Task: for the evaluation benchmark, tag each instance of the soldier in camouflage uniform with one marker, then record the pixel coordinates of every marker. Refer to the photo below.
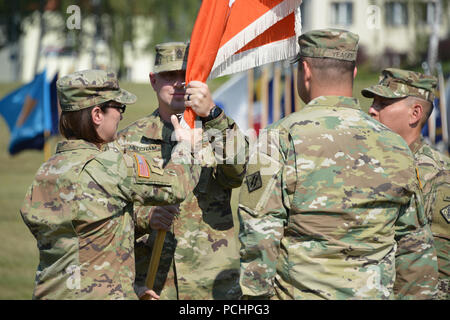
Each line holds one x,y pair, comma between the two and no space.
403,101
200,258
80,205
331,205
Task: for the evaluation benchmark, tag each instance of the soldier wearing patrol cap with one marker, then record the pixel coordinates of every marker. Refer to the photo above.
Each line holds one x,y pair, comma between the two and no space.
403,101
200,258
80,205
331,207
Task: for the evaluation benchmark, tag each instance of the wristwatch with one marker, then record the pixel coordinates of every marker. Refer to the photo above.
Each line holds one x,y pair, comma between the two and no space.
213,114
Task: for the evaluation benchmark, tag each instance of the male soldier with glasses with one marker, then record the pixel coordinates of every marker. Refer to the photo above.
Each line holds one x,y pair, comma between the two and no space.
200,258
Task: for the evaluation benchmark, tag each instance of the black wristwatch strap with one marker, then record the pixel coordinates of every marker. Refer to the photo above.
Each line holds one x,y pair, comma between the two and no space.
213,114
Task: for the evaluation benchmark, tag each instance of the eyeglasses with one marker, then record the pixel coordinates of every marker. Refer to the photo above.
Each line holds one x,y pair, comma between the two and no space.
120,108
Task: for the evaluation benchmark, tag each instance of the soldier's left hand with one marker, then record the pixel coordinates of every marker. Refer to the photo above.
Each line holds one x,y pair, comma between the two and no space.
199,98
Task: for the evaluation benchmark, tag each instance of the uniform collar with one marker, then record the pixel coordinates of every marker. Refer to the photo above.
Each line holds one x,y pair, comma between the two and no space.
156,128
335,101
69,145
417,144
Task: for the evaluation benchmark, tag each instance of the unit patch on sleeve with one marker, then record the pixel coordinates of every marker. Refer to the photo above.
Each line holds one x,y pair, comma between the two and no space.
254,182
143,169
446,213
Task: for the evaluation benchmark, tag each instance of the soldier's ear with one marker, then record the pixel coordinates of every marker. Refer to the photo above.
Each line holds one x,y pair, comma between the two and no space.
416,114
306,70
153,79
355,72
97,115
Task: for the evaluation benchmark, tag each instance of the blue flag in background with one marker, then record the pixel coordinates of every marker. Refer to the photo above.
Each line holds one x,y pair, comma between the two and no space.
30,111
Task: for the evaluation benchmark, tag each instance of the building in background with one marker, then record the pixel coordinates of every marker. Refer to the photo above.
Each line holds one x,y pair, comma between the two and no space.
391,32
58,50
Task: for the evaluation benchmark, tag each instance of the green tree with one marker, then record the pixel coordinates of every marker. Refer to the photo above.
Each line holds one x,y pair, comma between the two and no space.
173,21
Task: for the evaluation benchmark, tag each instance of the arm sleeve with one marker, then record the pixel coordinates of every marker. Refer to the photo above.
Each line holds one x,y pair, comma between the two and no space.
140,179
141,219
415,260
263,210
231,148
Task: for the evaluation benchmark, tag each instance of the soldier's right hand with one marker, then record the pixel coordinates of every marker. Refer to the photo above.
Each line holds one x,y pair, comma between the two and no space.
161,218
145,293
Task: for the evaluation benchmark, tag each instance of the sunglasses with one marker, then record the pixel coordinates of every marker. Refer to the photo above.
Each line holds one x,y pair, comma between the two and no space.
173,76
120,108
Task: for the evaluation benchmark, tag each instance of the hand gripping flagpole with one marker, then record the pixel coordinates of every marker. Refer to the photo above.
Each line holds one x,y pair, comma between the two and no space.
202,53
211,23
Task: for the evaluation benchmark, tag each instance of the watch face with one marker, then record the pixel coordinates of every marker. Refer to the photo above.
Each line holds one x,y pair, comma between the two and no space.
215,112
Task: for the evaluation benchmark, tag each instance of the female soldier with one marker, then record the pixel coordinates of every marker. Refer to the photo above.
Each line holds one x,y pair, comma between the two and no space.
80,206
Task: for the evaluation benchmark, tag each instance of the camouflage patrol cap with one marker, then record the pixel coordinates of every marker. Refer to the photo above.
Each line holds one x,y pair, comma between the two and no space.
328,43
84,89
397,83
171,56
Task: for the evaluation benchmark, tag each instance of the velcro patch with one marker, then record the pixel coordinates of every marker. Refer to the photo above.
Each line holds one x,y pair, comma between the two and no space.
446,213
254,182
143,169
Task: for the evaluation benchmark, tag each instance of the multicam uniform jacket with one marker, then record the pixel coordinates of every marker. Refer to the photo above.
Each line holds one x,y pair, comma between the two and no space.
330,208
80,210
200,258
434,169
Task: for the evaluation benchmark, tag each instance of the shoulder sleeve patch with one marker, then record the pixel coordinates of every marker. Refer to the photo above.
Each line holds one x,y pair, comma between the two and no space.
254,181
446,213
143,169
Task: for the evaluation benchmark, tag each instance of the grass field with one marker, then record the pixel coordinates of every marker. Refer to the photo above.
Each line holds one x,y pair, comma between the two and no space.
18,252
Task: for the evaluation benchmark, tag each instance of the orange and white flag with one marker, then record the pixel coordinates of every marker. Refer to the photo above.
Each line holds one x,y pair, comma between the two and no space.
230,36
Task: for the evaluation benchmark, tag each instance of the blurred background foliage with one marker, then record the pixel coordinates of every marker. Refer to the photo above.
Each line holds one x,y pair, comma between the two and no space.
172,20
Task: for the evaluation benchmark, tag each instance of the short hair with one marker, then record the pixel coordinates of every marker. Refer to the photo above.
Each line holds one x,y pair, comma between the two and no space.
331,69
79,125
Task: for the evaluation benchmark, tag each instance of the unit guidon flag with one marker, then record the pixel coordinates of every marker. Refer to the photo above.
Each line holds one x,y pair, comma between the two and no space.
230,36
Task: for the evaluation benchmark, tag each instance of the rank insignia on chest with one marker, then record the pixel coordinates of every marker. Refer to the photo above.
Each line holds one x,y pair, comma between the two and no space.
143,169
446,213
254,182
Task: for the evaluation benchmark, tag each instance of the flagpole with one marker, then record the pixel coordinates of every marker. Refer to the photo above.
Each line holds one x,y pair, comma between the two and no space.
154,261
47,147
265,97
251,89
296,96
443,106
287,92
432,128
276,93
